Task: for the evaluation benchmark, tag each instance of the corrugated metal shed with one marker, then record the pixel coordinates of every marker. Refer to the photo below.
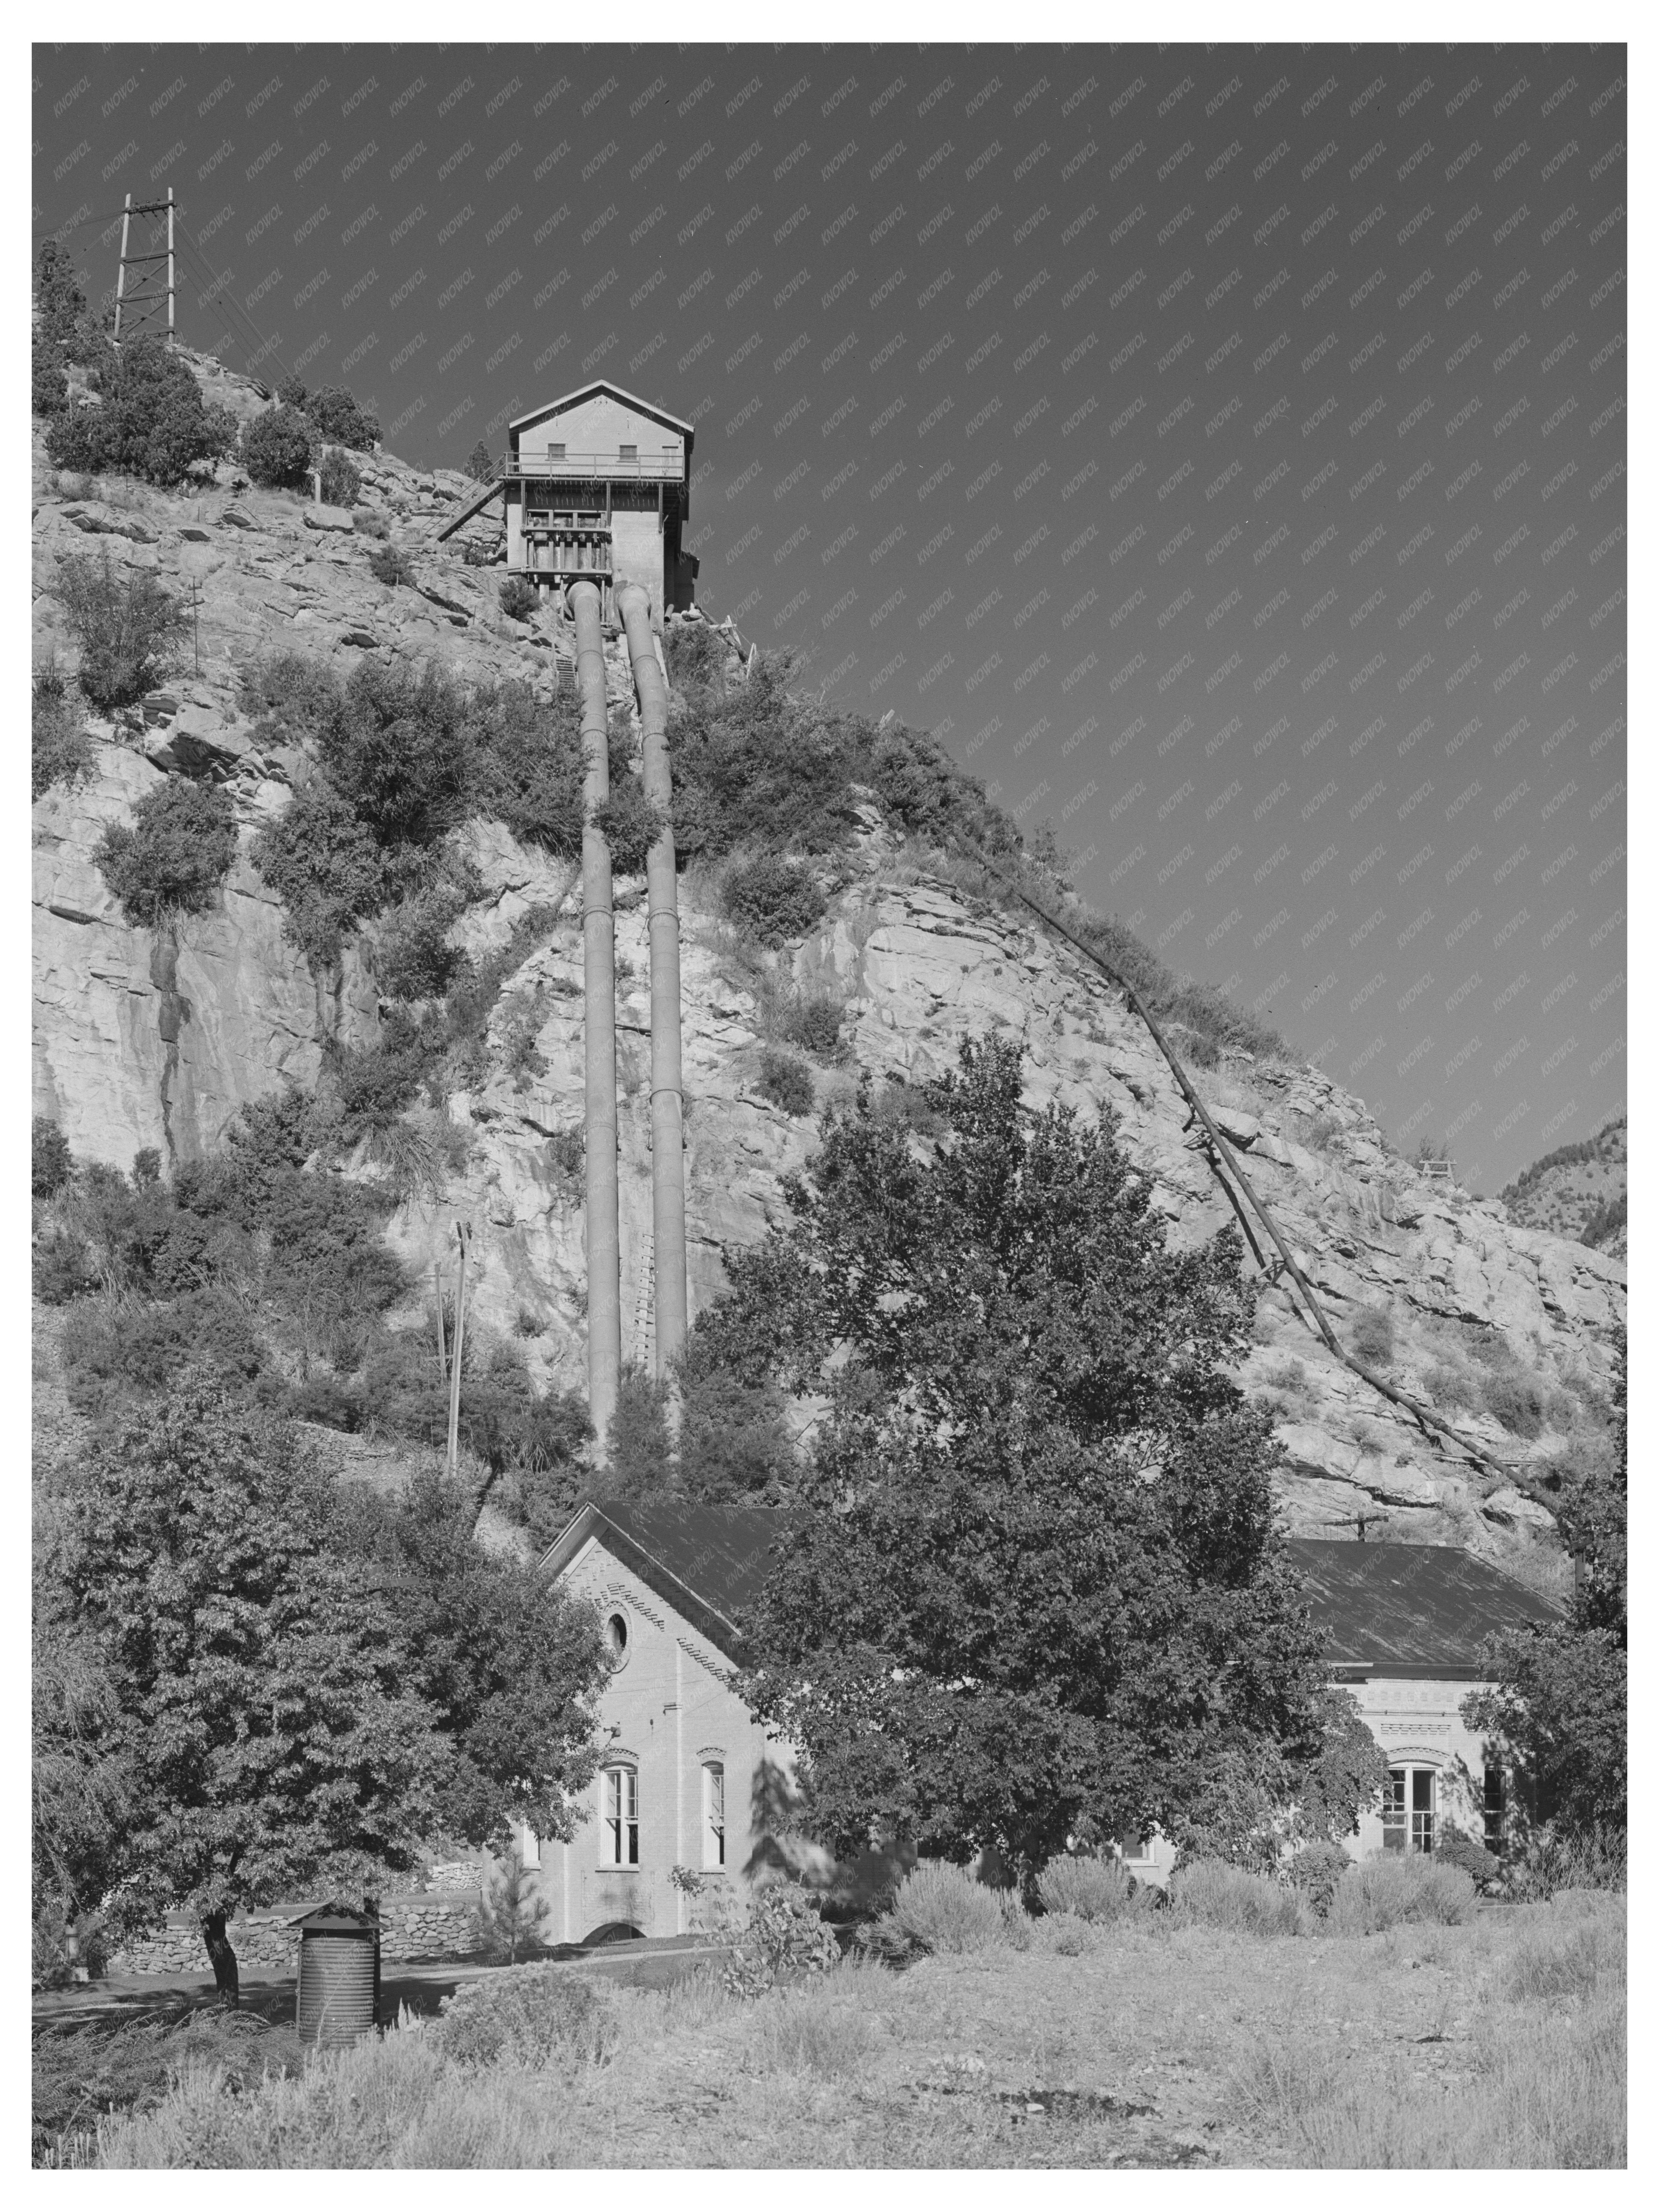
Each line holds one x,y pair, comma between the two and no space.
1419,1609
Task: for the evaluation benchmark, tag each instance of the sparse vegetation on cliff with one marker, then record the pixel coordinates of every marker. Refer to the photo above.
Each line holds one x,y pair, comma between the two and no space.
125,627
174,856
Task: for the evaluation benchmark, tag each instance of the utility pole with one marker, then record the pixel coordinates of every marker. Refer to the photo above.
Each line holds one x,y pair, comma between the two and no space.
123,299
464,1237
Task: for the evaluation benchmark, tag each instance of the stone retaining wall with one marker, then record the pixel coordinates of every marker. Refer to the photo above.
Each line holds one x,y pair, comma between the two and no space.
417,1927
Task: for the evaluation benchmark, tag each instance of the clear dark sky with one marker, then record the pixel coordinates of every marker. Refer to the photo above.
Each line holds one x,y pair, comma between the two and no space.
1221,449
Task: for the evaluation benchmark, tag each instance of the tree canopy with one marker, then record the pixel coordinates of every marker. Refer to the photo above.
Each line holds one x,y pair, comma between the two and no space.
1037,1591
1557,1700
262,1682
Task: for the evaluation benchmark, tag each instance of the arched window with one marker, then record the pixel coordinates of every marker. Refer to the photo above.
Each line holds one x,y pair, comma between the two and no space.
714,1812
616,1638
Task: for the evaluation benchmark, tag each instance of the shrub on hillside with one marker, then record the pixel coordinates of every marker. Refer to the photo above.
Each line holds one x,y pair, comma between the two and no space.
1516,1401
341,482
341,420
390,566
1092,1888
50,1164
1213,1893
112,1351
943,1909
370,525
60,750
785,1080
481,464
525,766
1373,1335
277,448
696,657
1391,1887
629,822
813,1023
1451,1386
48,384
152,422
323,866
413,956
174,855
123,625
770,898
519,599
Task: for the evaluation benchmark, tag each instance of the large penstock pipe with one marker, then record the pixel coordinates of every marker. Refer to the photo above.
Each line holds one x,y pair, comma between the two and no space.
667,1144
599,1028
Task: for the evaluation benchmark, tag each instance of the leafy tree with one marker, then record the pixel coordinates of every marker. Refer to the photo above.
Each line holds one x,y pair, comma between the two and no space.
123,625
509,1663
50,1164
638,1460
57,293
323,863
48,384
175,854
341,420
481,464
276,447
1557,1704
340,480
264,1708
152,422
1036,1589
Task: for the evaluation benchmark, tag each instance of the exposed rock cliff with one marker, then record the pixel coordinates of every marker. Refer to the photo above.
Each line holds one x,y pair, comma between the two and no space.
135,1049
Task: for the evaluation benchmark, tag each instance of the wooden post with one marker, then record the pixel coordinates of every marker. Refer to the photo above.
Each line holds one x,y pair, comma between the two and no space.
438,1298
121,272
464,1237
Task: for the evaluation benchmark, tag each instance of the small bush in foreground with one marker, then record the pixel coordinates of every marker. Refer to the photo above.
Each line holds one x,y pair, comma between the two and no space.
784,1935
1212,1894
1393,1887
1315,1871
543,2018
1093,1888
944,1909
786,1081
1454,1848
176,852
519,599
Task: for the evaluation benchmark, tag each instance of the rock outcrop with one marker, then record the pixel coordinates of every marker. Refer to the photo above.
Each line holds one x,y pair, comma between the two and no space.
135,1049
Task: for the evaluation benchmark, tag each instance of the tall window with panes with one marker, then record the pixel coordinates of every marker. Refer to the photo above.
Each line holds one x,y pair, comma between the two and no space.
619,1832
714,1812
1408,1809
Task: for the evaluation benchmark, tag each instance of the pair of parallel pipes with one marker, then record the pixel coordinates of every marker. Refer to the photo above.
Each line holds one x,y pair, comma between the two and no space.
599,998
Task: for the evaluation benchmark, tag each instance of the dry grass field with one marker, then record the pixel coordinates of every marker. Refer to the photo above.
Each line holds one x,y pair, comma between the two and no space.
1497,2043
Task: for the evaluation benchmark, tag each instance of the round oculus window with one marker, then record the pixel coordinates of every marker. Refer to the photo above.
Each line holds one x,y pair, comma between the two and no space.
616,1638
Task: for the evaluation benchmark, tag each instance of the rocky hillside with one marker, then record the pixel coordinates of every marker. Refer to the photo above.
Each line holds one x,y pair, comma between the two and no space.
1506,1326
1578,1190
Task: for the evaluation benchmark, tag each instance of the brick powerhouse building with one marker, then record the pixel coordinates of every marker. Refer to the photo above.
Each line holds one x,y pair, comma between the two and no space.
689,1778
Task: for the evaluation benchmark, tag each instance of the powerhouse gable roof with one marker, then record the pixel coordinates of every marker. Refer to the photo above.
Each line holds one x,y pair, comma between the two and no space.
709,1562
1411,1609
602,386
